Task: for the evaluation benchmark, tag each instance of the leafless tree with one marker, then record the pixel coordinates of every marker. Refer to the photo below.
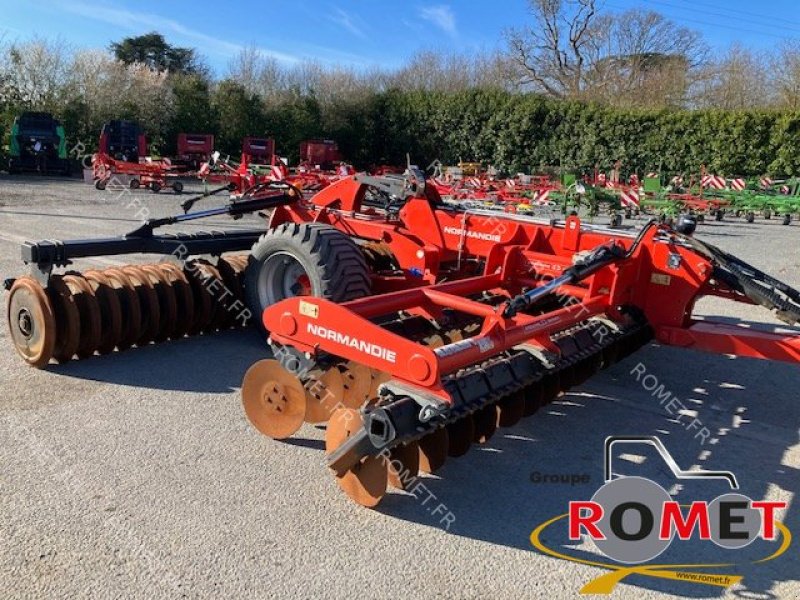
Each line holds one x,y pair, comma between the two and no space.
785,69
636,57
553,53
734,81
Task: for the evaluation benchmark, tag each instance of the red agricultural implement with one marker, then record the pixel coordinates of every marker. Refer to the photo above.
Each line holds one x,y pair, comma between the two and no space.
194,149
320,154
122,153
412,327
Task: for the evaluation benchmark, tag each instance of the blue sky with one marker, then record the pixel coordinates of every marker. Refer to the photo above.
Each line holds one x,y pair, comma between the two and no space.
356,32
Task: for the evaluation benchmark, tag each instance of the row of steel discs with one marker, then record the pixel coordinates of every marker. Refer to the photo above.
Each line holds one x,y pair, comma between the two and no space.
98,311
367,482
277,402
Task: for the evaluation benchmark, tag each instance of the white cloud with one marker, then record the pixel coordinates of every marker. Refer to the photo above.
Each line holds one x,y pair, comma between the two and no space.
442,16
345,20
131,21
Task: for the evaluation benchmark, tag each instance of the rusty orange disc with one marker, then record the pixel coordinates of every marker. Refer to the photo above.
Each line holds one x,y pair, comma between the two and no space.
67,319
110,310
357,380
183,298
533,398
403,465
274,399
31,321
203,302
551,388
460,435
167,304
433,450
129,303
324,393
485,423
148,303
511,409
366,482
230,277
378,378
211,281
89,310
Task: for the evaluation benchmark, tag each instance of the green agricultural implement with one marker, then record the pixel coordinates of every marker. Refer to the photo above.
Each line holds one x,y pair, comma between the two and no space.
37,143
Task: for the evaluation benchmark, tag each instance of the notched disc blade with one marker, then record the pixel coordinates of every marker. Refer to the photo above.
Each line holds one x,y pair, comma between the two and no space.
433,450
460,435
31,321
274,399
533,398
129,304
67,319
366,482
378,378
148,302
324,392
403,465
551,387
511,409
357,380
184,301
167,304
110,310
485,423
203,307
89,310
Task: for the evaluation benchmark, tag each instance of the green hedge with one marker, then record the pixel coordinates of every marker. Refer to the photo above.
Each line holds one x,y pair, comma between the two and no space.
515,132
525,132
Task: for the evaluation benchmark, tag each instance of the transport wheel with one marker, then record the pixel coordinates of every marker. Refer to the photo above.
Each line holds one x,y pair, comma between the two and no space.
100,184
786,219
366,482
274,400
767,214
31,321
310,259
177,187
134,184
750,217
155,187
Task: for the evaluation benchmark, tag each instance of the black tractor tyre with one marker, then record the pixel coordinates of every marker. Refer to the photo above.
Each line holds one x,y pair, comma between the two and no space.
155,187
332,261
750,217
767,214
786,219
177,187
100,184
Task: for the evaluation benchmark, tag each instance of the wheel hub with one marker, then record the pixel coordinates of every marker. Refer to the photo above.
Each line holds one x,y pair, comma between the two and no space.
25,323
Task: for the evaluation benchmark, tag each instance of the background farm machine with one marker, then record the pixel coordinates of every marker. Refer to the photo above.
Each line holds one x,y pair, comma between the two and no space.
122,154
412,327
38,144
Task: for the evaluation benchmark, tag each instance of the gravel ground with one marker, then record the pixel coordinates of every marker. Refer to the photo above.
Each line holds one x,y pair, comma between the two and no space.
137,474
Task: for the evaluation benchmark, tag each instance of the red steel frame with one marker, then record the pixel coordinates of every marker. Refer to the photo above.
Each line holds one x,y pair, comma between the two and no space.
663,278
